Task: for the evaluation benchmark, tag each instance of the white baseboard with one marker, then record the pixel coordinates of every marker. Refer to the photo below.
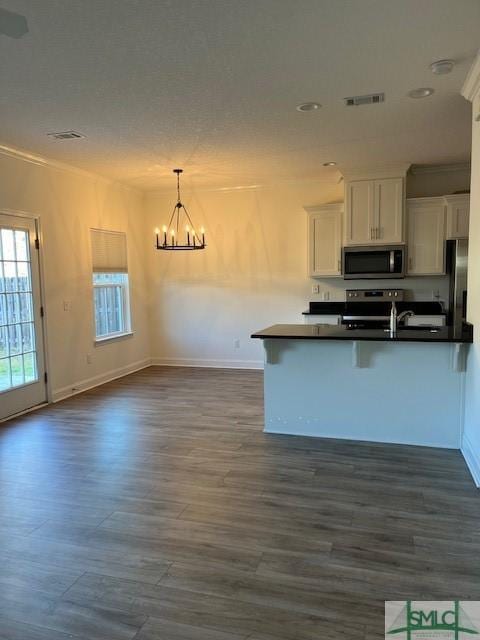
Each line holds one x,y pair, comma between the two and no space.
212,364
472,459
89,383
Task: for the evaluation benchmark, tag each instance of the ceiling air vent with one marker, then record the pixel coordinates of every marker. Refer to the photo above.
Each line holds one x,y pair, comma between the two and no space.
371,98
65,135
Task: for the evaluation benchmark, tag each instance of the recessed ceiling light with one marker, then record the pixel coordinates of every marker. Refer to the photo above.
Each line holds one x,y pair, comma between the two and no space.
329,164
440,67
421,92
308,106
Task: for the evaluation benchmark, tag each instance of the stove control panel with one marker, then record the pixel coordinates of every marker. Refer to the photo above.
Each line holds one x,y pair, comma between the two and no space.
374,295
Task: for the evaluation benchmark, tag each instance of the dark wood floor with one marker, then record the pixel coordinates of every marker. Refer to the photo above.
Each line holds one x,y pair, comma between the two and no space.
155,508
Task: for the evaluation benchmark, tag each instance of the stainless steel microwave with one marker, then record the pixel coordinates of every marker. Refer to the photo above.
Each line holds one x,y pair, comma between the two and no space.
380,262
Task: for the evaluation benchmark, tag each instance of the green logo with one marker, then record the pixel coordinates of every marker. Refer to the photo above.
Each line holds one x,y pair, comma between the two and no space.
441,619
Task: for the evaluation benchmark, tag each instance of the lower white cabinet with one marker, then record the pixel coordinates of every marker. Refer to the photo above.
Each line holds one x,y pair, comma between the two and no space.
325,240
458,215
426,219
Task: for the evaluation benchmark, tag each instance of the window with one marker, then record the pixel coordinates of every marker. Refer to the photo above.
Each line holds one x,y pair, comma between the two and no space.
110,284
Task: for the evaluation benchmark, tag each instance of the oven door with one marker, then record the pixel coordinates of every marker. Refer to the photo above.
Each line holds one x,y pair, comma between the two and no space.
373,263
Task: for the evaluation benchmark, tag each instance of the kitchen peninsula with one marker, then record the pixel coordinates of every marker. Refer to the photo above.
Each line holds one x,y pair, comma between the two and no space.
336,382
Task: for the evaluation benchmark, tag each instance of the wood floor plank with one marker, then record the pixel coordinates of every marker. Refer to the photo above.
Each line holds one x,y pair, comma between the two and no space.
11,630
154,507
201,609
157,629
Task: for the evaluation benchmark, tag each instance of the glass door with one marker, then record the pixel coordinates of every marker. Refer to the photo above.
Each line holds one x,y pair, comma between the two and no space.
22,360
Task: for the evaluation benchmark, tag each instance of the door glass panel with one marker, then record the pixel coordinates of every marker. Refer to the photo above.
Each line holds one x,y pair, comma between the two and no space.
8,244
21,248
30,367
5,378
23,275
10,275
28,337
15,339
18,357
16,364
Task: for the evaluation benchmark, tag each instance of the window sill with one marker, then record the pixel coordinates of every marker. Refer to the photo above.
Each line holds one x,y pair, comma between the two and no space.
117,336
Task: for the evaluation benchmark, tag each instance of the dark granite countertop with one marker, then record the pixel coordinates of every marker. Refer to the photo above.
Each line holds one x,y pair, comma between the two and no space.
341,332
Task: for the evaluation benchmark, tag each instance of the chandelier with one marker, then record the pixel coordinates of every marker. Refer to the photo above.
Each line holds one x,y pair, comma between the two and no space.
180,222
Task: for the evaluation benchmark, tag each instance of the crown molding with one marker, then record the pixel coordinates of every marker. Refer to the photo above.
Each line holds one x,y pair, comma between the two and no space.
419,169
429,201
471,86
317,208
42,161
374,172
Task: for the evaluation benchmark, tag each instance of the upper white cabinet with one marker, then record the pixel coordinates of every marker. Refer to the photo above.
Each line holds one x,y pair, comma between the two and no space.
359,211
426,219
325,240
458,216
374,211
389,208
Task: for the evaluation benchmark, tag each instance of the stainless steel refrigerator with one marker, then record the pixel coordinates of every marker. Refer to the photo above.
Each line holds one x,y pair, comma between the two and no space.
457,266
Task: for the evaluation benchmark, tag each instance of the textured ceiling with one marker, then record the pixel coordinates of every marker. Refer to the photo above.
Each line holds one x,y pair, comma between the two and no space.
211,85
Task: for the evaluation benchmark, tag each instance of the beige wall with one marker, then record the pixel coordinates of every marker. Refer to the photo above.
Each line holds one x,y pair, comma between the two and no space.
252,274
69,203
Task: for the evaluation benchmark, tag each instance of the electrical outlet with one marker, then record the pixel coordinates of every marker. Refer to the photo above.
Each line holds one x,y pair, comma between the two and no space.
236,343
89,358
66,305
326,296
315,288
436,294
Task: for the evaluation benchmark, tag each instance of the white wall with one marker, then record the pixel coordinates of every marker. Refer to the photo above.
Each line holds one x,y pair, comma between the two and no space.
471,441
252,274
69,203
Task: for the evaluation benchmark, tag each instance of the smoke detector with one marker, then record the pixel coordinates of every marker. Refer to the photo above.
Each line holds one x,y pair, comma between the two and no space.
65,135
370,98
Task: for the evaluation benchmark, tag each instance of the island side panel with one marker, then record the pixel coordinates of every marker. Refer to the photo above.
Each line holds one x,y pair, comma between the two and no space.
406,393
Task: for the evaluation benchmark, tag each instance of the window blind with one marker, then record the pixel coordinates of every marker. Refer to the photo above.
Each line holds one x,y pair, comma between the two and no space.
109,251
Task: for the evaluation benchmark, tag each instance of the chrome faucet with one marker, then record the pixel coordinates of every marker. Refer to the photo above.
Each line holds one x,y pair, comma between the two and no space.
396,318
393,320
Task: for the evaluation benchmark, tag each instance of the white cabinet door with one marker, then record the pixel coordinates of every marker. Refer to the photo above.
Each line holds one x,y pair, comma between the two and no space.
388,227
325,240
426,236
458,216
360,212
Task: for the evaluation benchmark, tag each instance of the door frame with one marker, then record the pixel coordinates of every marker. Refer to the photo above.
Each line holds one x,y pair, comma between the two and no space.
19,213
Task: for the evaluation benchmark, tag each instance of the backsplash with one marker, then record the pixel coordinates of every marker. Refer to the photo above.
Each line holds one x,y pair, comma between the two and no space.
421,289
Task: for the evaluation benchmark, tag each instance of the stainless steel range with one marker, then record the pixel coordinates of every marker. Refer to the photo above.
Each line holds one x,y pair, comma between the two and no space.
372,309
